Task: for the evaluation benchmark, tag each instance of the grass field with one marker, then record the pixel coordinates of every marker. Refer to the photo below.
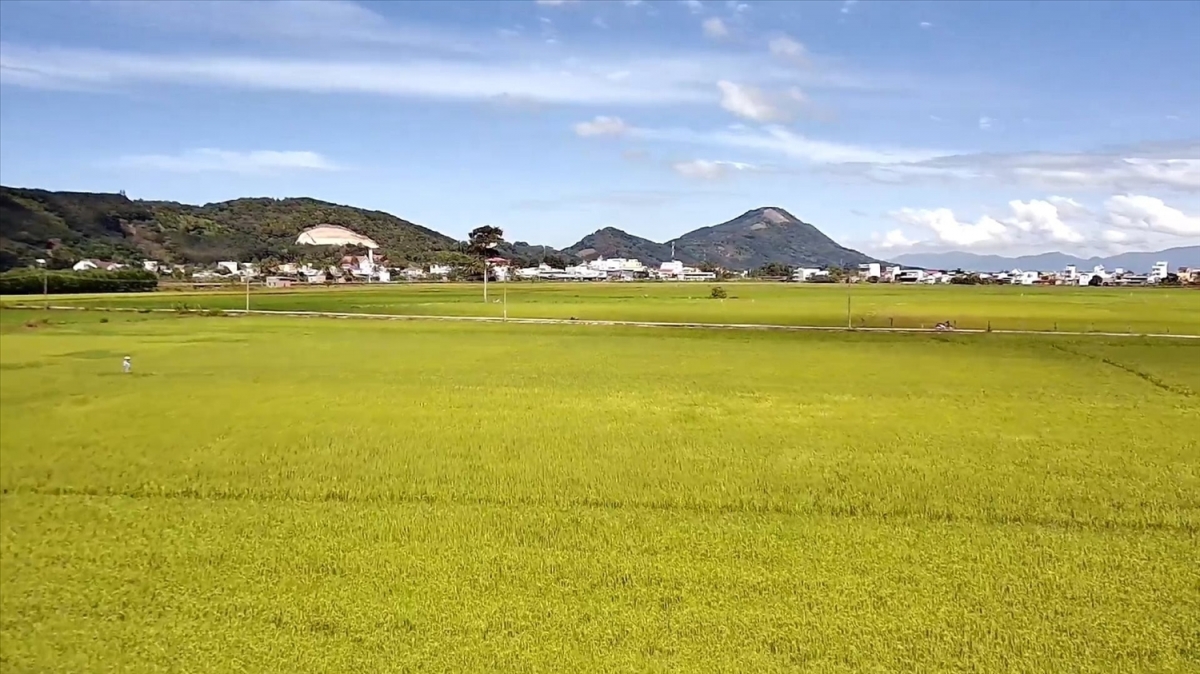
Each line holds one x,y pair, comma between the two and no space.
268,494
1138,310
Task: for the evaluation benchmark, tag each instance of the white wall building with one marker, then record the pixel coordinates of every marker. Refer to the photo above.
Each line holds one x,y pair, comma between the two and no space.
1159,272
1024,278
804,274
869,270
910,276
616,264
676,271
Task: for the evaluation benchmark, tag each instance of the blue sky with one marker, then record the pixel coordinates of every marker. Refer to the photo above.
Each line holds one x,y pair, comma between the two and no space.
1007,127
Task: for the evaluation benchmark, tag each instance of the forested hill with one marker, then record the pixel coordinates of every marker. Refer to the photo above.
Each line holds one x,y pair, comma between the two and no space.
78,225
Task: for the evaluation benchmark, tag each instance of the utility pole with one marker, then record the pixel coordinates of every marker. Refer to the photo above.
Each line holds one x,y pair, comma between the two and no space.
849,323
504,284
487,250
45,284
247,292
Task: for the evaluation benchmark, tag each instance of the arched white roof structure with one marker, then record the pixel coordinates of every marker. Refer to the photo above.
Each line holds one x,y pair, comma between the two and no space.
333,235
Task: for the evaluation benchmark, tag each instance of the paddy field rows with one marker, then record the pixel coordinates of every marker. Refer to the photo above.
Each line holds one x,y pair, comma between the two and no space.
269,494
1068,309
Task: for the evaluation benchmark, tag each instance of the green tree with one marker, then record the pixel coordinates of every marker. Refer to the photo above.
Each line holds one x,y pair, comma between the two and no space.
483,240
775,270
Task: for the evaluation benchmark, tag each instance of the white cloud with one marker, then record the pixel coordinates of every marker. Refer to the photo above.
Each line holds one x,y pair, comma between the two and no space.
1174,166
752,103
694,5
294,20
602,126
926,24
748,102
705,169
736,6
715,28
848,5
599,22
226,161
660,81
1116,236
553,3
779,140
1055,223
950,231
1137,212
1043,218
985,123
786,48
632,3
894,240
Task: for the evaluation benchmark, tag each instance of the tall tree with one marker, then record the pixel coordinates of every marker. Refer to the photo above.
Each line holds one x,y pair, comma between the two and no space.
484,239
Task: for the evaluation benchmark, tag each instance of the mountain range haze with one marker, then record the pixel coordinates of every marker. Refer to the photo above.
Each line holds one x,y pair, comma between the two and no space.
1183,256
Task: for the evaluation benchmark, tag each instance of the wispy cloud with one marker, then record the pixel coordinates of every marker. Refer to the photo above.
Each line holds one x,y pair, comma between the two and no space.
784,47
848,6
658,81
602,126
752,103
715,28
926,24
695,6
298,20
206,160
778,140
1171,166
985,123
705,169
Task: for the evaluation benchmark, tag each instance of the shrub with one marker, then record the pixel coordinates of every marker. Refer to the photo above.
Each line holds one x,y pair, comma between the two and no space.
718,293
29,281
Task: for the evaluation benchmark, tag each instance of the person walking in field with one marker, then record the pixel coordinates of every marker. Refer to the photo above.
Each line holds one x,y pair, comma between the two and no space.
126,365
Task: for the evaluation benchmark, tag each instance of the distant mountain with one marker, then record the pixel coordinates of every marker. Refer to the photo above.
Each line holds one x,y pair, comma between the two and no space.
534,254
70,226
766,235
1186,256
749,241
77,225
611,242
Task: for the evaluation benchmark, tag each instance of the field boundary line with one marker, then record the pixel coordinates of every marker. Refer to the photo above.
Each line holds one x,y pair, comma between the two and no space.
835,511
605,323
1147,377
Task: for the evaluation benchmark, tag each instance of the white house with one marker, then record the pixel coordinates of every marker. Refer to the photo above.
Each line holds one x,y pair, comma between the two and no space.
442,270
1097,271
1159,272
230,266
86,265
1024,278
870,270
910,276
619,267
676,271
804,274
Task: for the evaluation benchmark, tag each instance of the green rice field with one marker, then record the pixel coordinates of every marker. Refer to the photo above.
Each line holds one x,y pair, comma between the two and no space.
1134,310
283,494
